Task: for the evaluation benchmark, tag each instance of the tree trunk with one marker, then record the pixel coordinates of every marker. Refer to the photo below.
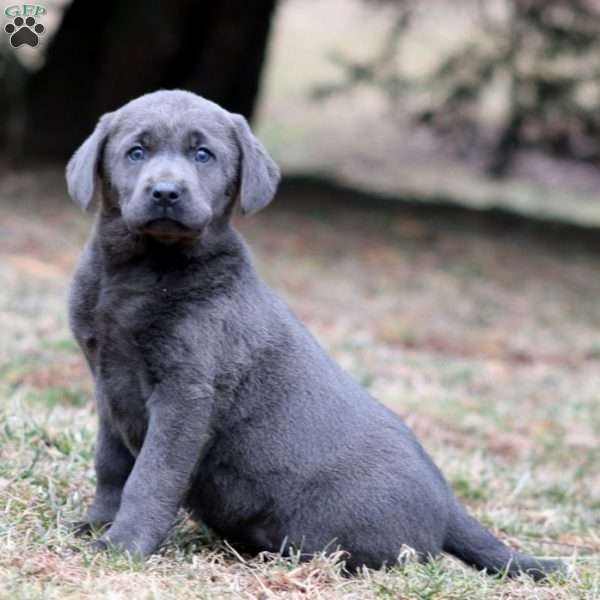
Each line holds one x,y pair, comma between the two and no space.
95,65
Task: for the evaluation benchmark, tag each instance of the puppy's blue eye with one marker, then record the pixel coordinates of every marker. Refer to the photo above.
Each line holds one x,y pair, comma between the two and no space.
202,155
136,154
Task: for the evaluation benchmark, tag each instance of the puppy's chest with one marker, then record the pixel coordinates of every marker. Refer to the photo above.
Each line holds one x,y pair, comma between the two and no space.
127,318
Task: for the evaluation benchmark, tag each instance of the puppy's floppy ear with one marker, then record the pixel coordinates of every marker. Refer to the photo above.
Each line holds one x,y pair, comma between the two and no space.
82,170
259,174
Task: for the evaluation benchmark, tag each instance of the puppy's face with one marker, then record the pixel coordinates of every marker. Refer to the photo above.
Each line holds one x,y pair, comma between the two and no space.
172,162
172,172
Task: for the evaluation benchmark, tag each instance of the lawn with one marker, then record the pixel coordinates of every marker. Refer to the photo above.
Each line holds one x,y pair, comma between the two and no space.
486,339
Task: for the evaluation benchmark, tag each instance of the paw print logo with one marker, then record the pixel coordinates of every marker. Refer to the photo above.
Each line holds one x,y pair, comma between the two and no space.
24,31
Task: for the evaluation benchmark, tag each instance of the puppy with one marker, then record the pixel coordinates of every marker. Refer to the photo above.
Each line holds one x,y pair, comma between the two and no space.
211,395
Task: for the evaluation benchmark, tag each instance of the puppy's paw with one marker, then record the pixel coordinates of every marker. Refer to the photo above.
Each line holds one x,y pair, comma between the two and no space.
136,545
105,544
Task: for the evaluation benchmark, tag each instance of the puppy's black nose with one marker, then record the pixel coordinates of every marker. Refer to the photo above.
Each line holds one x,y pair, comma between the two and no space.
166,193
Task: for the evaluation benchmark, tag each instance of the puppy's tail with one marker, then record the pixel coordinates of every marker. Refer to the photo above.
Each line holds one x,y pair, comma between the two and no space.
472,543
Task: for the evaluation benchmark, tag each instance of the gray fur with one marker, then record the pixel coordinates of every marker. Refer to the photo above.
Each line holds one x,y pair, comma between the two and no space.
211,394
82,170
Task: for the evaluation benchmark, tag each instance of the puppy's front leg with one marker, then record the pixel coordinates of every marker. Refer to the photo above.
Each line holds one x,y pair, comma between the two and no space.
113,465
177,435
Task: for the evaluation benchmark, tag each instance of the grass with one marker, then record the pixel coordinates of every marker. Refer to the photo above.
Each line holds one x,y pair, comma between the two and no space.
487,344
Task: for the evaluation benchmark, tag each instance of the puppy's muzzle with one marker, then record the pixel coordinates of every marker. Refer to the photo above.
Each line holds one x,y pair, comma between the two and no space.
169,212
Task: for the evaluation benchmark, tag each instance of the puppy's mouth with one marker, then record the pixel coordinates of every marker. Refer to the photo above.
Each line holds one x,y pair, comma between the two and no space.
168,230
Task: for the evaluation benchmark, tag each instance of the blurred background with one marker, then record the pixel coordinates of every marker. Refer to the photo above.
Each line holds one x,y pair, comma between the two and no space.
485,103
437,227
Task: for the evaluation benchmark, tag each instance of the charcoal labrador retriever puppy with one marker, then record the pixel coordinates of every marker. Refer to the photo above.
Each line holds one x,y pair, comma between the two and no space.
210,393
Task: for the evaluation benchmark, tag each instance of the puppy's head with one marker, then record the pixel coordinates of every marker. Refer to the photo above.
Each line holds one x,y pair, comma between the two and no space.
172,163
